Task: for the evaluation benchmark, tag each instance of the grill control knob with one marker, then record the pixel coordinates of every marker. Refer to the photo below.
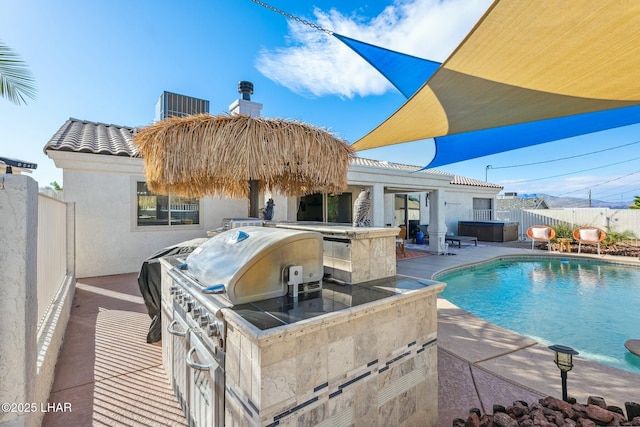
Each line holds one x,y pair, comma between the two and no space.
204,320
214,329
173,290
197,312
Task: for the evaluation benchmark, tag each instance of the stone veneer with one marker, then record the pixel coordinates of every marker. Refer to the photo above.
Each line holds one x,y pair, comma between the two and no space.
355,254
370,365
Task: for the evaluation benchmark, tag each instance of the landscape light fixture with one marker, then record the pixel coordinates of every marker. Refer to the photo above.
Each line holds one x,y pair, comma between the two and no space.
564,361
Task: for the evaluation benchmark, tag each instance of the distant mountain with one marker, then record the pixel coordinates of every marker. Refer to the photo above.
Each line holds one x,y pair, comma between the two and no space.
576,202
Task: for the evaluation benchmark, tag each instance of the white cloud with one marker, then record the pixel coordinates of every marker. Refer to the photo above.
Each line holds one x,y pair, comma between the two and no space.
317,64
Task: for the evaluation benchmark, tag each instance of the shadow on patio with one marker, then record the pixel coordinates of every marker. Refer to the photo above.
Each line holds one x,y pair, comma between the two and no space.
106,371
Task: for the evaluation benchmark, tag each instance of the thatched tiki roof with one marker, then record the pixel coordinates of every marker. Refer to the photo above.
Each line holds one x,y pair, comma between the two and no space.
203,155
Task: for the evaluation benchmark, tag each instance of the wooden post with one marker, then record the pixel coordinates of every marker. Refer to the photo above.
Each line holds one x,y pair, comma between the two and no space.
254,195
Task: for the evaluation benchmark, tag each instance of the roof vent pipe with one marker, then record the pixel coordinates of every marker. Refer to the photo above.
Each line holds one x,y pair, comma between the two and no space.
246,89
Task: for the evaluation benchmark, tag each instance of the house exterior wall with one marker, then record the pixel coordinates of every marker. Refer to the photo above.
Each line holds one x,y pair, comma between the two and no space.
107,238
109,241
459,204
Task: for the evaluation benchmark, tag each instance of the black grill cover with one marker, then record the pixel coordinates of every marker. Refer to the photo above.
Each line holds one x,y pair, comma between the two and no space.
149,282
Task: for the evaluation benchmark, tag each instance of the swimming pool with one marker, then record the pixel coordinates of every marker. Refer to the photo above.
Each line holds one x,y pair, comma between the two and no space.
591,306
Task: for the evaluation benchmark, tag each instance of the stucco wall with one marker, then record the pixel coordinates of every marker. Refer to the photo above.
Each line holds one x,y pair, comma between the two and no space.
109,242
18,294
459,204
107,238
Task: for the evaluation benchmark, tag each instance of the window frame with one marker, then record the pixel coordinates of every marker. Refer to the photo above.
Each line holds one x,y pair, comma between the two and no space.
160,227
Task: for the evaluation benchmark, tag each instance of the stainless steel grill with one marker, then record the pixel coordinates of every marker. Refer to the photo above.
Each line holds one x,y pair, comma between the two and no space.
238,266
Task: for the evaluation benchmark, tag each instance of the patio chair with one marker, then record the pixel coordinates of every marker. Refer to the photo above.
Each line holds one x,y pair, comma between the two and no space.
589,235
541,233
402,235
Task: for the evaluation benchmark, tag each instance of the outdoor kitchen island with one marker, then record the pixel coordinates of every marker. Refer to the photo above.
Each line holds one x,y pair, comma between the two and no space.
354,254
336,354
350,356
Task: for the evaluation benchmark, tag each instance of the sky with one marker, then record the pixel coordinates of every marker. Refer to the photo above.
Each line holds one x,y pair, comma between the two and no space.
108,61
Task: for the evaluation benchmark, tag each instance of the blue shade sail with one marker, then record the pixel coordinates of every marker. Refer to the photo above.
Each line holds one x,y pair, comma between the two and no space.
529,72
471,145
407,73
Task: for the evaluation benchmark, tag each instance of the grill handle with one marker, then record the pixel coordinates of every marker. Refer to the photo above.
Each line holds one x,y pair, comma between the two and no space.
213,289
193,364
175,331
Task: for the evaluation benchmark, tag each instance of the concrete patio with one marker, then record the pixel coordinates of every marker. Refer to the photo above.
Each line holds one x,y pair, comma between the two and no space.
106,371
110,376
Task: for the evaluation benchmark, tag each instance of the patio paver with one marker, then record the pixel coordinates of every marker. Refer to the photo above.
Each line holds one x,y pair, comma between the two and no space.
106,371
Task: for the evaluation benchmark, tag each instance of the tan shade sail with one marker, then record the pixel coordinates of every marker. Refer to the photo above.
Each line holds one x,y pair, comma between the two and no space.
203,155
526,61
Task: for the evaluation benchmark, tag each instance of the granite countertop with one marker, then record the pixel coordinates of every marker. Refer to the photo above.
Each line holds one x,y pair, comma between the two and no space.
274,312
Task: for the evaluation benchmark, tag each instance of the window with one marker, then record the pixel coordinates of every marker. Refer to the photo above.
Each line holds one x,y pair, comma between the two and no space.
407,212
482,209
339,208
325,208
154,209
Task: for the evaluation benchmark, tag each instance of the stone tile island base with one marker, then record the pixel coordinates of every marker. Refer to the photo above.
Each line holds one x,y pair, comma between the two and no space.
355,254
369,365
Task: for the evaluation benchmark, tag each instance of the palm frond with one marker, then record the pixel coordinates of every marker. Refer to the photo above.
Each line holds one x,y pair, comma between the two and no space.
16,81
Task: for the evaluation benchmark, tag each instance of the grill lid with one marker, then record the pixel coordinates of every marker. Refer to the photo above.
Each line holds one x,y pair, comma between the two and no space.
252,262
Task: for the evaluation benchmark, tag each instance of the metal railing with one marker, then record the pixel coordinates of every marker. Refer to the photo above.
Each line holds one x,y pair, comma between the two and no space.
52,251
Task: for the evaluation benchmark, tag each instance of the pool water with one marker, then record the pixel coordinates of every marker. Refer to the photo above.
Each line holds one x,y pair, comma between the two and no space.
591,306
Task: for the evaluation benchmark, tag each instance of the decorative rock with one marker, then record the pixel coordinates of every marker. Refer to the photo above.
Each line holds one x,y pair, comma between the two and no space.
616,409
538,418
618,420
473,420
633,410
499,408
502,419
599,414
516,410
555,404
586,422
553,412
579,409
486,420
598,401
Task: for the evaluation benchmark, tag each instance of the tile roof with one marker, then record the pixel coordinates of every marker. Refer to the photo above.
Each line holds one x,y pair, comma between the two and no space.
83,136
457,180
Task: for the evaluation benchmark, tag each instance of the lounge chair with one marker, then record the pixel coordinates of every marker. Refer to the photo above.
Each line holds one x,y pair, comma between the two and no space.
589,235
400,240
541,233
